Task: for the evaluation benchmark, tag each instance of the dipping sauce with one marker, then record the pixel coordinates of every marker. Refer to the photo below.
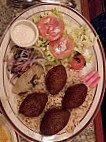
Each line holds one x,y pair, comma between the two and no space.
23,34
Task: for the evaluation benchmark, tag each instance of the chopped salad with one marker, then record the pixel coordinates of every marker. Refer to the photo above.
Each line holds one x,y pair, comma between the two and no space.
46,77
60,42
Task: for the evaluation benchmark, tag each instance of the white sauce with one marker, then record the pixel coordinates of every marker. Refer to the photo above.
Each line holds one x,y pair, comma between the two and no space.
23,34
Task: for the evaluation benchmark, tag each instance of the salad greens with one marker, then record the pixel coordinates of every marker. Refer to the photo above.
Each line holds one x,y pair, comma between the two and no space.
89,58
80,35
43,44
56,13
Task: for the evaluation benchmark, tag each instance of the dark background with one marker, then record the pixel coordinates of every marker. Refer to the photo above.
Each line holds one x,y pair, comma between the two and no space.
97,13
99,23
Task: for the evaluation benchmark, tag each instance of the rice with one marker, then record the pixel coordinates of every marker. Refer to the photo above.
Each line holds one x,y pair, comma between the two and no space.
56,101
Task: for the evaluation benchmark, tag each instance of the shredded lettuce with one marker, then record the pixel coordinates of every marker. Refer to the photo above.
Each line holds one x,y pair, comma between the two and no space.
81,36
56,13
89,58
43,44
35,19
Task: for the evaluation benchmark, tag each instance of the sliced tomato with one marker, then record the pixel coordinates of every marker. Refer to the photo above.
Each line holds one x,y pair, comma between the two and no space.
51,27
77,62
62,47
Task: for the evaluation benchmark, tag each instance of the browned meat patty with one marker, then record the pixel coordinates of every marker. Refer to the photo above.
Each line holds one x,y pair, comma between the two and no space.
54,121
75,96
33,104
56,79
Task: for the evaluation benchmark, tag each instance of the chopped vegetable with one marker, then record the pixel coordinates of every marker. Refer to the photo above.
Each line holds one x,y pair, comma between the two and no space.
62,48
57,13
23,59
82,37
51,27
77,62
89,58
35,19
43,44
45,50
91,79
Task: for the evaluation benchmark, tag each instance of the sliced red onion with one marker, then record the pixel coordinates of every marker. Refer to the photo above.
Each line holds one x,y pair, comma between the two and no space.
23,60
13,78
40,50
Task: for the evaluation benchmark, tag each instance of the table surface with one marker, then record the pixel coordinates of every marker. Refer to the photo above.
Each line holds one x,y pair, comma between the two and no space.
6,15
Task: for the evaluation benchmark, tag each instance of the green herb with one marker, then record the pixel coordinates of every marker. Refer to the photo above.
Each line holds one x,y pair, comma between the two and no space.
57,13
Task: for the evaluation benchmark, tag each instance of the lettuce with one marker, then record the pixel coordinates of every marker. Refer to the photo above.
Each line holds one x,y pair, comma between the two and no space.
35,19
56,12
89,58
81,36
44,44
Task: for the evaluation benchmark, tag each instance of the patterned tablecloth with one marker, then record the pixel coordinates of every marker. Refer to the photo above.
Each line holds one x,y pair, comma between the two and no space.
6,15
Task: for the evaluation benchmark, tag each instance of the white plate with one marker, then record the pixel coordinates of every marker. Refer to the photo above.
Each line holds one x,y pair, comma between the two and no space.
8,105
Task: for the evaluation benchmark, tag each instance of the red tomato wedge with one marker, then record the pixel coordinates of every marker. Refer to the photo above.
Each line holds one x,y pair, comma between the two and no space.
62,47
77,62
51,27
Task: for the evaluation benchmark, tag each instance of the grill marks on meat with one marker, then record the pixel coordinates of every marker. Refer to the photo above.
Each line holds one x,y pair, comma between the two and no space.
54,121
75,96
33,104
56,79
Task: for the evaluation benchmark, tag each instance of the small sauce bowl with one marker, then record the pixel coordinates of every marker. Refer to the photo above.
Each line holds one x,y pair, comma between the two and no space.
24,33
